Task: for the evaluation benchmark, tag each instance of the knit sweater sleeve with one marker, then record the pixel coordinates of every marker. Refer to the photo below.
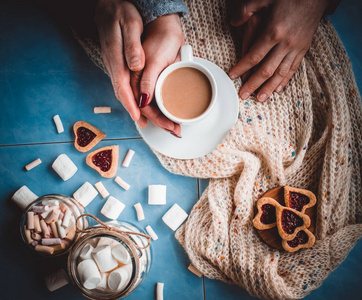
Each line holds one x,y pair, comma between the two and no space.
152,9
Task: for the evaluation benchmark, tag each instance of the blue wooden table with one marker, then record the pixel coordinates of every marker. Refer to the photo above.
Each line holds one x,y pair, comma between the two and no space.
44,72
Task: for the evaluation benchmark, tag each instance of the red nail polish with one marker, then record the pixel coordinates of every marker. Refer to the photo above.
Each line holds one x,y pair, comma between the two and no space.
143,100
178,136
173,133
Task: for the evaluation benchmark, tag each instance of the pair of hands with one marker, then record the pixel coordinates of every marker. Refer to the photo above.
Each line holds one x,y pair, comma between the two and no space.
134,66
275,35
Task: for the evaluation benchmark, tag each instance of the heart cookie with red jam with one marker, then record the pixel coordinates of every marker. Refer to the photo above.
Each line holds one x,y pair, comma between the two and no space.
303,239
266,216
298,199
104,160
290,222
86,136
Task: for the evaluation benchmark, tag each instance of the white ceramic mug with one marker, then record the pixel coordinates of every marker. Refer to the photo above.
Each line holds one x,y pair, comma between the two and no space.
186,61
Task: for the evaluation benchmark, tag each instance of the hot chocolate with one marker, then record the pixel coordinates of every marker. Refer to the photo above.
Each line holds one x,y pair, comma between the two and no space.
186,93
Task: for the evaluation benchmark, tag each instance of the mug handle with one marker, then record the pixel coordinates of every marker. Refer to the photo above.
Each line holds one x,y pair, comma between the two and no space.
186,53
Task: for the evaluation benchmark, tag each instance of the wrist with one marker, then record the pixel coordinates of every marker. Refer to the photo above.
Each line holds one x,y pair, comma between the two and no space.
167,24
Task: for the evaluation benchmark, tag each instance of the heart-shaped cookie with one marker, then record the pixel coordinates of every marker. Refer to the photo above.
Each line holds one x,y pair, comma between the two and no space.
303,239
298,199
290,222
104,160
266,216
86,136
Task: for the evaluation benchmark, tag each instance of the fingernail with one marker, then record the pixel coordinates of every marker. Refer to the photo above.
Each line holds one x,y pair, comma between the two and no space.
279,88
262,97
134,63
172,132
245,95
143,100
178,136
232,76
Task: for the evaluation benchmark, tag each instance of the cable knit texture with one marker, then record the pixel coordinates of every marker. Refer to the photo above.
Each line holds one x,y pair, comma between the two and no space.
309,137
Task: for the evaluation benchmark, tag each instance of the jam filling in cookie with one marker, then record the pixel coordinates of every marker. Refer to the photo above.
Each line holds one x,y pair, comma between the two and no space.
266,215
84,136
290,221
103,160
300,239
269,214
297,201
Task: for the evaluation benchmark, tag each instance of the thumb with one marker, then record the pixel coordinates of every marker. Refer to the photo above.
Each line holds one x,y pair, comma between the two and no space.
148,82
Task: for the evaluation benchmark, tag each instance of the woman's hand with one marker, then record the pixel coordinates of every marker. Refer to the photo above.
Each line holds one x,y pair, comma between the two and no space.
120,27
276,36
163,39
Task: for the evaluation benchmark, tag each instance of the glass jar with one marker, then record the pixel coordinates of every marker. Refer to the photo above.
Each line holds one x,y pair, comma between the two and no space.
131,239
44,241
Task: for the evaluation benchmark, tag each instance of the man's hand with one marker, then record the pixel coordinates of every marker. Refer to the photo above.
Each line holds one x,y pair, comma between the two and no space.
276,36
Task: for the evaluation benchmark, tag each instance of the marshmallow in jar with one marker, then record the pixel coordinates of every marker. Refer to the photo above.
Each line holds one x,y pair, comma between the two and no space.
48,224
105,265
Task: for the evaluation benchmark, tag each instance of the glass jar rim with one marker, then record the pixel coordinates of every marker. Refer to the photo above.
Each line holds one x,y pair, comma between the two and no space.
64,200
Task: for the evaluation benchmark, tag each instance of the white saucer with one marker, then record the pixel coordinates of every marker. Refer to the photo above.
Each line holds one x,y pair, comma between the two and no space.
201,138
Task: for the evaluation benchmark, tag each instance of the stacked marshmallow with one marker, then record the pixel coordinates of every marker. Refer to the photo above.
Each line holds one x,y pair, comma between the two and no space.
104,264
50,226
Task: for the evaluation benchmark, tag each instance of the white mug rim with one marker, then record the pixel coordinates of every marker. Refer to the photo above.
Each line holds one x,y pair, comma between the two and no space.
179,65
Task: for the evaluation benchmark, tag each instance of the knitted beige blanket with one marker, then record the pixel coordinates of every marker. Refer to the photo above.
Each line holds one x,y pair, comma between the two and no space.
308,137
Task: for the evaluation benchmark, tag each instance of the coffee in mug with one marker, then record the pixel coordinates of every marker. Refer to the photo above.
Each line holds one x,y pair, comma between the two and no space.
186,90
186,93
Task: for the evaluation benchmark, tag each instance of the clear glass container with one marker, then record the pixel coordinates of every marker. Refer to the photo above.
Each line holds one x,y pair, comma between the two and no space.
139,264
64,203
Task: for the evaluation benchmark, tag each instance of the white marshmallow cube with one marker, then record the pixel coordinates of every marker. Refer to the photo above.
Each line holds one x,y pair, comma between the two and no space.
121,254
128,158
33,164
64,167
23,197
159,290
56,280
119,278
89,273
174,217
139,211
122,183
86,252
103,285
85,194
112,208
101,189
102,255
157,194
58,123
107,241
152,234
